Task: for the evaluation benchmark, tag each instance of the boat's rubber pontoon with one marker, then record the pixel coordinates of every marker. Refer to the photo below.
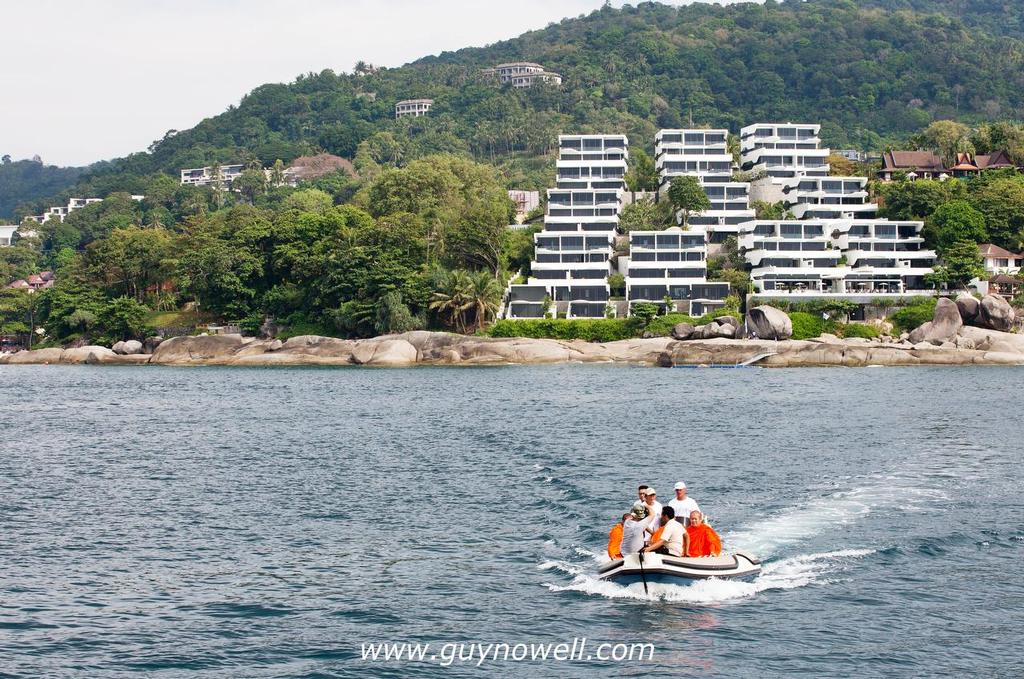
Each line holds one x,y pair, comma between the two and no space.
671,569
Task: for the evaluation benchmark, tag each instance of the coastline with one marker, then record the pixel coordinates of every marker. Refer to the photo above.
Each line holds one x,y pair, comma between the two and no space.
447,349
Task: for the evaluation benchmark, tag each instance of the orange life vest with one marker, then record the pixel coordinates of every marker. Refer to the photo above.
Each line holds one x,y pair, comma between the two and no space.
704,541
615,542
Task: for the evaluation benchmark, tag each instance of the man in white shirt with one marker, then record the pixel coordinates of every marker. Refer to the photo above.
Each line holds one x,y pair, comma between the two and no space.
673,540
683,505
633,530
653,509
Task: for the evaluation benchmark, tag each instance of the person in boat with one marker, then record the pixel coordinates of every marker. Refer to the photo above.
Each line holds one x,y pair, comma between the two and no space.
615,539
634,529
671,537
642,491
653,508
704,541
683,505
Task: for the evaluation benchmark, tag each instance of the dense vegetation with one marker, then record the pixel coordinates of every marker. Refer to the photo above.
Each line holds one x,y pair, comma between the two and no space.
873,72
421,246
28,180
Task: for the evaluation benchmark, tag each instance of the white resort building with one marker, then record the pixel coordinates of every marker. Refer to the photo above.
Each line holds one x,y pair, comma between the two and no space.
204,176
572,258
413,108
831,245
705,154
522,74
60,212
837,257
672,263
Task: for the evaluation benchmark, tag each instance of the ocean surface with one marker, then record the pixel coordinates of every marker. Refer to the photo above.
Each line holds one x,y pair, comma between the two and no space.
227,522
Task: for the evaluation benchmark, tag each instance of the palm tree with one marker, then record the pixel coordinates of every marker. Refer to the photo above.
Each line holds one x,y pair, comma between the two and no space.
452,298
484,298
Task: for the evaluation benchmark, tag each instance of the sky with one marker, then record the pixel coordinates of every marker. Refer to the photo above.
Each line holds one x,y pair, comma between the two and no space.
83,81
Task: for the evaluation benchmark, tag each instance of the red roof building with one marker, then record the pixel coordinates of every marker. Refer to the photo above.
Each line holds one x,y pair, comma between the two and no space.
928,165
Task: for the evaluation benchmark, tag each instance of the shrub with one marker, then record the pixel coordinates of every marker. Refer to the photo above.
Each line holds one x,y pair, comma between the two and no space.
910,317
805,325
859,330
596,330
662,325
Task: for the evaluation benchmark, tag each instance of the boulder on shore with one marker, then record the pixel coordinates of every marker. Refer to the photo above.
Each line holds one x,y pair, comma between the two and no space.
118,347
131,347
682,331
769,323
201,349
996,313
150,344
969,308
943,327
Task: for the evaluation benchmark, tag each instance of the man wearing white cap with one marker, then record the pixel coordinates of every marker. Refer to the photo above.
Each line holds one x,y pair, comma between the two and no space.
683,505
653,509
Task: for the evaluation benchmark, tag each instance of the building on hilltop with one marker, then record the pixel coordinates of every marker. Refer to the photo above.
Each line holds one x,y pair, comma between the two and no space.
413,108
572,257
705,155
929,165
60,213
522,74
36,282
204,176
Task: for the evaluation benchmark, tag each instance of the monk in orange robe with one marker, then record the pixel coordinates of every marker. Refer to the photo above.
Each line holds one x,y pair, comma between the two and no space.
704,541
615,539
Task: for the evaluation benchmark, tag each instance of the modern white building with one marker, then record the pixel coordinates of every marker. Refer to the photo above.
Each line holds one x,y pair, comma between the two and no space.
672,263
837,257
522,74
413,108
705,154
783,150
7,232
60,212
204,176
572,259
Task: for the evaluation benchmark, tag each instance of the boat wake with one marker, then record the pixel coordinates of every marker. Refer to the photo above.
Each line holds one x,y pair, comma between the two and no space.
788,573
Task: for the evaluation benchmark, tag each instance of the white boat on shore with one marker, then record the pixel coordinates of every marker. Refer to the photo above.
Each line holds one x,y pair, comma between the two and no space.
660,568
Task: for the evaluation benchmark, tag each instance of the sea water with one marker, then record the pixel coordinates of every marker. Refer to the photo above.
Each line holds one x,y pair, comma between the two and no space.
225,522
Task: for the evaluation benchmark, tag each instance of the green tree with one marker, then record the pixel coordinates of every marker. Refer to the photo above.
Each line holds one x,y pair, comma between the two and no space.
1001,201
687,196
642,174
948,137
645,214
393,316
131,259
957,221
453,298
643,313
484,298
122,318
961,262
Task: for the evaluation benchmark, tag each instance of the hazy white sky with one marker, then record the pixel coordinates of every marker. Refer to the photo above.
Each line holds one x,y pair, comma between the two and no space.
88,80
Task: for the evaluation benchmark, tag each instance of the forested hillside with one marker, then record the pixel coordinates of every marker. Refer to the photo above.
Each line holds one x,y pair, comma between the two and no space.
873,72
26,180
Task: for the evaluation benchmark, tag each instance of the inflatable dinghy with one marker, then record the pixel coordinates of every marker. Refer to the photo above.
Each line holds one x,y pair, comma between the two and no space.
679,570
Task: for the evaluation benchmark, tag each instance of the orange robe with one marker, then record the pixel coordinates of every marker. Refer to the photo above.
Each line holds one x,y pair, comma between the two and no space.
615,542
704,541
657,535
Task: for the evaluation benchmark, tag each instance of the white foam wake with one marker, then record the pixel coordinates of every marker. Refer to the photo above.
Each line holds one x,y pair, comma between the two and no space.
769,536
789,573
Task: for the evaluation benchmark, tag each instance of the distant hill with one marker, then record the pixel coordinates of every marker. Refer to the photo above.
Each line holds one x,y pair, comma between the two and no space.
872,72
26,180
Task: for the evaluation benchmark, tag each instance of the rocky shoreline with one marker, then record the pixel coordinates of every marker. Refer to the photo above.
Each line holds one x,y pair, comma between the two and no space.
971,346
